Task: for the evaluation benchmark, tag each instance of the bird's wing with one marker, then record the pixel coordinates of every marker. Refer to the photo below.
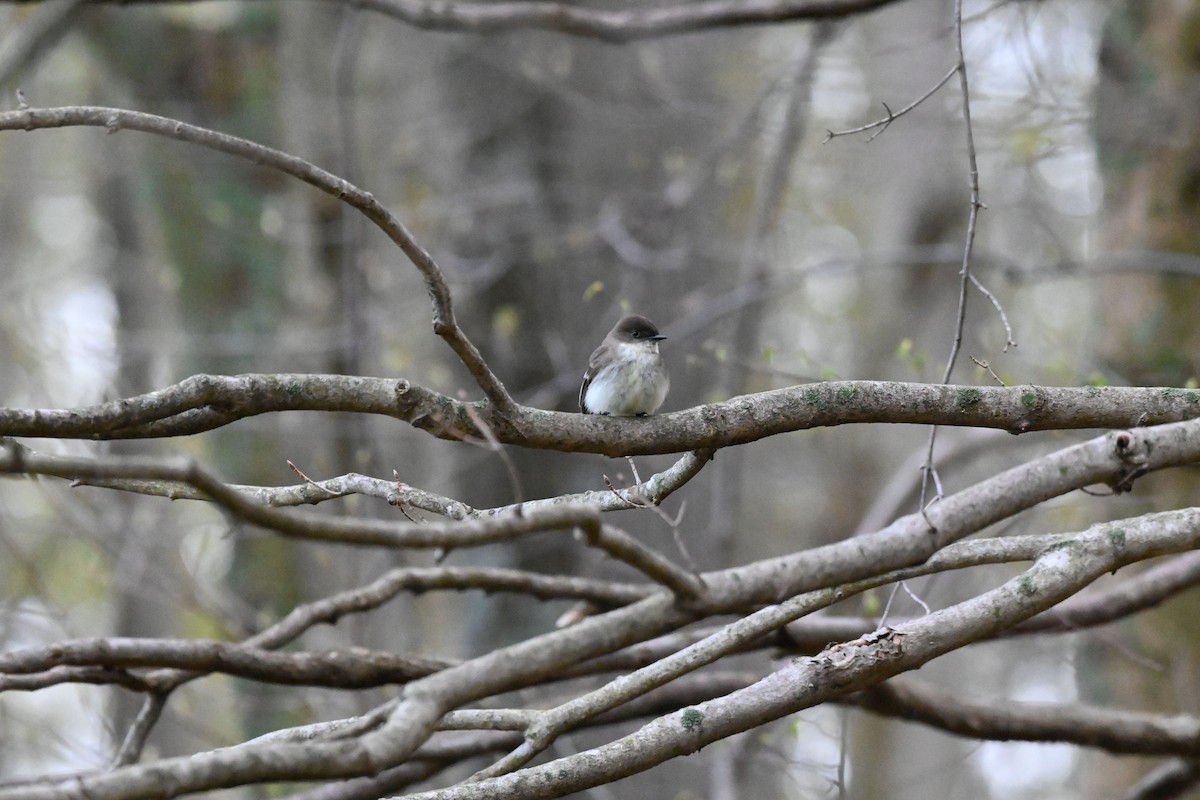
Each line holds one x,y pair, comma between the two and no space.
588,376
587,381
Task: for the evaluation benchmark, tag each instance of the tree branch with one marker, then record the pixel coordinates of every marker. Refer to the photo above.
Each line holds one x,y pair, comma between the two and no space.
1116,731
806,682
1138,593
1064,567
608,26
205,402
354,668
116,119
306,525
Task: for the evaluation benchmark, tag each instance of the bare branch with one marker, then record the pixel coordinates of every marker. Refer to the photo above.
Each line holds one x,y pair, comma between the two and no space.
1064,567
205,402
648,494
808,681
1009,341
1139,593
615,26
1168,781
608,26
960,67
116,119
346,669
1109,729
135,738
56,676
620,545
883,124
304,525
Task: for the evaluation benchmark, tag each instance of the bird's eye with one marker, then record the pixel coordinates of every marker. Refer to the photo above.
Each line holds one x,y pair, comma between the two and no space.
637,334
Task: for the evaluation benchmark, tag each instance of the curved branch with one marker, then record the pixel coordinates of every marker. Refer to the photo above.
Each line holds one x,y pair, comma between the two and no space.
55,676
1116,731
650,492
1063,568
892,116
1146,590
1167,781
205,402
613,26
1139,593
306,525
353,668
117,119
806,682
1114,459
594,23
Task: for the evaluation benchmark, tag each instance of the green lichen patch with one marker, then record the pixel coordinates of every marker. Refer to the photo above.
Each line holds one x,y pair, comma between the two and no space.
968,397
1117,537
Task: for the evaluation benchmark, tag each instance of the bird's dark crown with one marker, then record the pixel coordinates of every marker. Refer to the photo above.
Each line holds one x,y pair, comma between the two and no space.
638,327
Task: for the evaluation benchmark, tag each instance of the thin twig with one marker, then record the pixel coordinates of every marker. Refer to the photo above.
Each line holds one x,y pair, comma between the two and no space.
972,217
985,365
494,445
311,482
883,124
300,524
1009,341
135,738
622,546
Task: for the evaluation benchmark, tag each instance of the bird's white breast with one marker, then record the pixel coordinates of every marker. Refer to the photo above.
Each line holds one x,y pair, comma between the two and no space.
634,383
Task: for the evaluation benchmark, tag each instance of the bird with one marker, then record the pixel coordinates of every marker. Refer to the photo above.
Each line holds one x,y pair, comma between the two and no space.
626,375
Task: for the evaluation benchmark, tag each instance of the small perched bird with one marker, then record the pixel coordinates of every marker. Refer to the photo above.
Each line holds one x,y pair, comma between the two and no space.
626,376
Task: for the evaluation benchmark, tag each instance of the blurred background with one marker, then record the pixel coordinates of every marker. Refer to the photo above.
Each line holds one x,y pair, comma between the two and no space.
560,183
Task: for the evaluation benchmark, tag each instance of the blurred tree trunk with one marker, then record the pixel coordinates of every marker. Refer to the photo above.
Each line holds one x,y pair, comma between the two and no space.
146,563
1147,130
924,202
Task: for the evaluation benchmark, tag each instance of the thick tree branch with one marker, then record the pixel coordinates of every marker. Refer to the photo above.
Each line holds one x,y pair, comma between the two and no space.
1113,603
1138,593
205,402
1116,458
354,668
608,26
1125,732
808,681
1064,568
